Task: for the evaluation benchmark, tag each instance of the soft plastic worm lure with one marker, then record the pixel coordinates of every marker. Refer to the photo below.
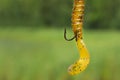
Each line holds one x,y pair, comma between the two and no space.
77,24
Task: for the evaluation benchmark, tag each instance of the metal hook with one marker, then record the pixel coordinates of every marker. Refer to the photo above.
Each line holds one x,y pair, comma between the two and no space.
66,37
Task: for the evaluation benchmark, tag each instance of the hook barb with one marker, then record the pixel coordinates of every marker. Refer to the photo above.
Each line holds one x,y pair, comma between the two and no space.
67,38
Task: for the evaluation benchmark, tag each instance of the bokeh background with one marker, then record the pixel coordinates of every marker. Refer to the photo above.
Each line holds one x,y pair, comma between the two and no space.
32,46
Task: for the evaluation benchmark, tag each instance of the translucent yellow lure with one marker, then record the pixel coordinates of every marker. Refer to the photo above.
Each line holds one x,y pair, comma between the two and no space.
77,23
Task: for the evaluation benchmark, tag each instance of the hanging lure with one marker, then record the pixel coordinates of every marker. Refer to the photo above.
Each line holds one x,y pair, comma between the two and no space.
77,24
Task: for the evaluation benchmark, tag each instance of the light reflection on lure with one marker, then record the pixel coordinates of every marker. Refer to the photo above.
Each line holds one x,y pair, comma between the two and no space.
77,24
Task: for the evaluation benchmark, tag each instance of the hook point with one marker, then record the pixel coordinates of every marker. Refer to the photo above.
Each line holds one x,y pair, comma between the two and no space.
66,37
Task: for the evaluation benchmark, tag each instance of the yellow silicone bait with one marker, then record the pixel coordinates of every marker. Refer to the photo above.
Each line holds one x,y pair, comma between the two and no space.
77,24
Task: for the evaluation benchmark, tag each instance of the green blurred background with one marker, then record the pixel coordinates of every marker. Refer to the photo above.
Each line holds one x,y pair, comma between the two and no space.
32,46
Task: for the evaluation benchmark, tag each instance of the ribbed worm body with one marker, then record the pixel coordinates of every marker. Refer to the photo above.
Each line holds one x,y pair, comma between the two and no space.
77,24
77,17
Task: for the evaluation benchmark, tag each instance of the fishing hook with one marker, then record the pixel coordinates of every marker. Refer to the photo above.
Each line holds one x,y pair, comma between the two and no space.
67,38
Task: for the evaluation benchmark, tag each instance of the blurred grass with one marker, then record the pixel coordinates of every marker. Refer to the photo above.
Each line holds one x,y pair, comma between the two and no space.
43,54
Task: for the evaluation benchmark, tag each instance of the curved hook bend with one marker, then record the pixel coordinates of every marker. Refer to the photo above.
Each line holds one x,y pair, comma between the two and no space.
67,38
